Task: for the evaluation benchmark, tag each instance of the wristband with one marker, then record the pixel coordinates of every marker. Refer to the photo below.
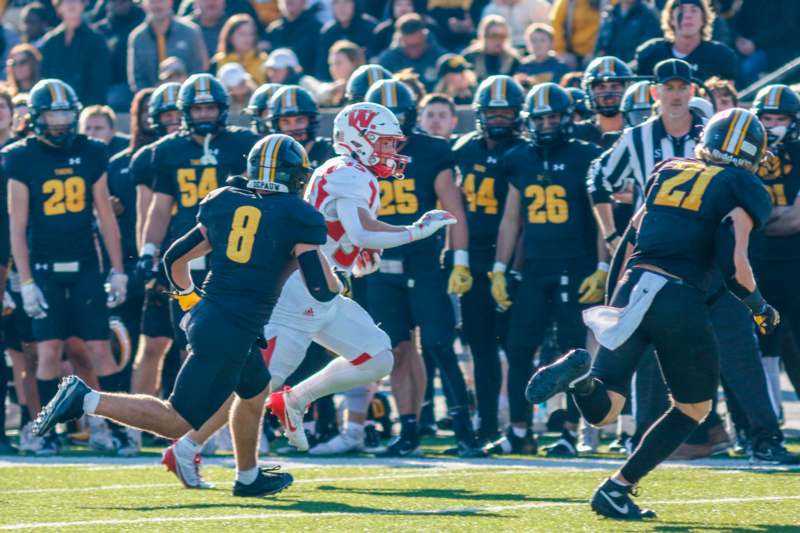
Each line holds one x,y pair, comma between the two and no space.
185,292
461,258
27,282
754,301
149,249
603,266
499,267
611,236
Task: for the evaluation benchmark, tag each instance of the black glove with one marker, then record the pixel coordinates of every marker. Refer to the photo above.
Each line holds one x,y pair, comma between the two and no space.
765,316
144,270
344,279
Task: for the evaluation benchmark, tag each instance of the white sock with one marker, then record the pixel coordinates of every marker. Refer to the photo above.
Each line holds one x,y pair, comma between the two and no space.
90,402
340,375
246,477
626,424
187,447
519,432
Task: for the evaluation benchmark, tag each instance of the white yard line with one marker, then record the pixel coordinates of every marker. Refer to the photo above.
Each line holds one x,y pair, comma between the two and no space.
442,511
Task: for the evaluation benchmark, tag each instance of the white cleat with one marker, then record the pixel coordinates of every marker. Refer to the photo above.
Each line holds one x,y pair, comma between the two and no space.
291,419
28,442
187,469
346,442
100,438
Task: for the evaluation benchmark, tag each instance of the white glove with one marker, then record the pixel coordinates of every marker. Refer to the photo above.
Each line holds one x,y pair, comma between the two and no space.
117,289
367,262
8,302
33,300
430,223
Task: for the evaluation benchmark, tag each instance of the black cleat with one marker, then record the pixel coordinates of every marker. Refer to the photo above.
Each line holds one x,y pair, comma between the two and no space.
565,446
401,446
269,481
559,376
468,450
771,451
6,448
622,444
510,443
613,500
66,405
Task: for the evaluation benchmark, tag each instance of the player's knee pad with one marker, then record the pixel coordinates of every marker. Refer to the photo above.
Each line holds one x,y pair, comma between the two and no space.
379,365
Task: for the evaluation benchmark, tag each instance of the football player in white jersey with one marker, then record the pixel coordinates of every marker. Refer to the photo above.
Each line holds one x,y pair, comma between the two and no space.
345,190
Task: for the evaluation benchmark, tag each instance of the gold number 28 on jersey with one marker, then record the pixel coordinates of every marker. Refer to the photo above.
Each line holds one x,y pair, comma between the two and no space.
66,196
243,233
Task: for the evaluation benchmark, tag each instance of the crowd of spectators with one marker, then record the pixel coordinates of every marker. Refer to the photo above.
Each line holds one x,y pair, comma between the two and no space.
109,49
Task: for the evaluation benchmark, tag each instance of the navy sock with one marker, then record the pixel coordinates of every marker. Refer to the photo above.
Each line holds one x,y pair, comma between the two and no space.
658,443
408,426
593,401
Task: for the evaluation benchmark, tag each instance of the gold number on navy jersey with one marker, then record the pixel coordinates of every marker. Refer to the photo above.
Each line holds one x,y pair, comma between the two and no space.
398,198
193,189
548,204
243,233
698,175
484,197
66,196
777,193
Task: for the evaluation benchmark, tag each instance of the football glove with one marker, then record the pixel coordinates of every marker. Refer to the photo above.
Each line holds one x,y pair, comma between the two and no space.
344,279
367,262
117,289
145,267
593,288
33,301
430,223
186,299
460,280
8,303
500,290
767,319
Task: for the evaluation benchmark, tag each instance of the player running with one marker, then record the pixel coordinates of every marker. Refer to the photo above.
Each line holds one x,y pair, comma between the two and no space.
345,189
252,237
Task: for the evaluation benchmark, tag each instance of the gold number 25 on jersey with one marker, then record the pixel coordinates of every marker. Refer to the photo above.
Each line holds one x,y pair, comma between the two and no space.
243,233
194,190
398,198
66,196
698,175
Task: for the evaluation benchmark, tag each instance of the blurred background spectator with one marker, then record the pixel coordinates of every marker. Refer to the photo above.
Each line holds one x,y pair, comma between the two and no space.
121,17
343,58
383,33
23,68
240,86
624,27
519,14
413,48
98,122
348,23
455,20
34,23
210,17
282,66
541,64
575,24
77,54
492,53
457,80
172,69
160,36
723,93
237,44
297,29
438,115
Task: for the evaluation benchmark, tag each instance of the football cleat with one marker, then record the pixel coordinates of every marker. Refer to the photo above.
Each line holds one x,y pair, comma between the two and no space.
49,445
622,444
100,438
401,446
771,451
126,441
269,481
372,439
559,376
719,440
613,500
186,469
28,442
511,443
565,446
344,442
66,405
467,450
291,419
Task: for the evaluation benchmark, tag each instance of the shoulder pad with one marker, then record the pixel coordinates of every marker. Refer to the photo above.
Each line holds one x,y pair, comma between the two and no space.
347,178
214,194
120,155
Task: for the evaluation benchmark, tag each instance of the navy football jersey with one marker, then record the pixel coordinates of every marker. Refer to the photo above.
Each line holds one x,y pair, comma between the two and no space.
122,187
320,152
686,200
554,203
403,201
252,237
141,166
781,177
485,187
60,205
588,131
181,172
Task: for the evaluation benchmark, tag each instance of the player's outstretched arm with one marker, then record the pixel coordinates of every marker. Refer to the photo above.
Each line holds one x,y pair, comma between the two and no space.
365,231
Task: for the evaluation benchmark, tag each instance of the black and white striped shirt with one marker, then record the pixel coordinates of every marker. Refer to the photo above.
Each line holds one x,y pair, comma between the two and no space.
634,156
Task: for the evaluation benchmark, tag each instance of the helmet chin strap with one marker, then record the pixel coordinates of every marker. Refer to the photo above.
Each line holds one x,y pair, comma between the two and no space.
208,157
777,133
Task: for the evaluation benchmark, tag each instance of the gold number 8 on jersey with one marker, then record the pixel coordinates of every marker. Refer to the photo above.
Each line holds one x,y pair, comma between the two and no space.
243,233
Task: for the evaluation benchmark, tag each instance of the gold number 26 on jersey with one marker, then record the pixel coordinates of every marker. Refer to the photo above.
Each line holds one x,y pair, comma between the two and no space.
243,233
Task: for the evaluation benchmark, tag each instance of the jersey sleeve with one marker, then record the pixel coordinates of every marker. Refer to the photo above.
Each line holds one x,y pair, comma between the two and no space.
752,196
508,168
208,205
443,158
11,168
310,225
141,167
97,153
349,181
163,180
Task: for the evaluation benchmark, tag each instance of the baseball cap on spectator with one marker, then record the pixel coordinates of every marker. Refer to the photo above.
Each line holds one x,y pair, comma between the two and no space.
672,69
232,74
451,63
282,58
171,66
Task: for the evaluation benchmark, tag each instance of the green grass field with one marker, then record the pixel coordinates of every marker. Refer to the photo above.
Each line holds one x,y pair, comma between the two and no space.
362,494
